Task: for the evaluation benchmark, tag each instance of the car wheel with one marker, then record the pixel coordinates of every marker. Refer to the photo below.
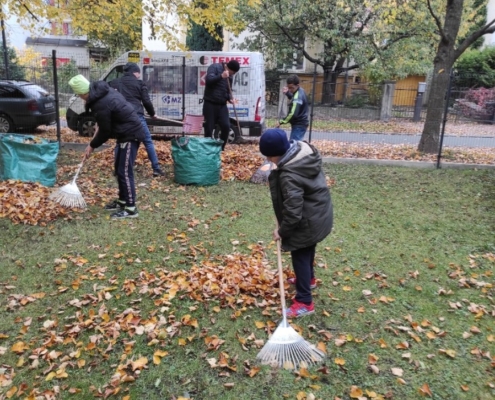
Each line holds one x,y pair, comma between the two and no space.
6,124
234,134
86,126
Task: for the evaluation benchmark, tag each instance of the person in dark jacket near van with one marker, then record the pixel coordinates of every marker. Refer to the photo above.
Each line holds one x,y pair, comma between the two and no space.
117,119
303,208
297,115
135,92
219,77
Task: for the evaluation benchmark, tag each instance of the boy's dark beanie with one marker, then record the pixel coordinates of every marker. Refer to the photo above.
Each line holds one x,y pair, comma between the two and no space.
274,143
233,65
131,67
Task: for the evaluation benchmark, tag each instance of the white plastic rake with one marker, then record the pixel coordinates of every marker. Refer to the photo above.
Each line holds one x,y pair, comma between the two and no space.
285,347
69,195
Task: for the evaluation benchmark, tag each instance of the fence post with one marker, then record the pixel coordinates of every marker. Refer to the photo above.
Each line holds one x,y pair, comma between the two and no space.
445,116
312,103
183,88
418,102
55,88
281,97
387,100
5,51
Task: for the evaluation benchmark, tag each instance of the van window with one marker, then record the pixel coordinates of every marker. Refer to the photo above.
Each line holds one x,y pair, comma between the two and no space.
168,79
115,73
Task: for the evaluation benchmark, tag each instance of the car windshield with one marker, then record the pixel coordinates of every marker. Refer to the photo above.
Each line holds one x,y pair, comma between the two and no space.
35,90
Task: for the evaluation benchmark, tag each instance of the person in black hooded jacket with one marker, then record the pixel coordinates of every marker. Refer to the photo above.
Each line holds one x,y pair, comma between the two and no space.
219,79
117,119
136,93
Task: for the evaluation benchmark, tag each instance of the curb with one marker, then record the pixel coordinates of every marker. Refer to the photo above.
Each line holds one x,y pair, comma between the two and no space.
80,146
337,160
404,163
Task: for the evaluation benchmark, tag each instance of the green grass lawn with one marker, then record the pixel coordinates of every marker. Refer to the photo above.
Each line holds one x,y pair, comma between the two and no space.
177,303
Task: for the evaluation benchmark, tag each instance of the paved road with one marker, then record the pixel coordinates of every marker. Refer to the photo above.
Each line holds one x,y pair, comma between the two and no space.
463,141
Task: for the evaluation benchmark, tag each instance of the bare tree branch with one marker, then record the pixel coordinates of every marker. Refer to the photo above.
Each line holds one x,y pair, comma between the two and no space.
488,28
22,4
438,23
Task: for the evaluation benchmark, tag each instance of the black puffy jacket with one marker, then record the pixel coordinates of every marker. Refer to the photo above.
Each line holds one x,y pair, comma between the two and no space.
116,118
301,198
135,92
217,88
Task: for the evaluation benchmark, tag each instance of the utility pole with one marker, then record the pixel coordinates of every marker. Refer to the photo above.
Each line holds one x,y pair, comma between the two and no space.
5,55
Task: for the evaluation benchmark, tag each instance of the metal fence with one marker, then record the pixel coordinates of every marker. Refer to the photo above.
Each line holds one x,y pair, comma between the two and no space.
396,115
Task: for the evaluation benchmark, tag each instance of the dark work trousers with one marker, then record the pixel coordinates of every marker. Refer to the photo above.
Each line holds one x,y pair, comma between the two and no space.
302,262
125,155
216,114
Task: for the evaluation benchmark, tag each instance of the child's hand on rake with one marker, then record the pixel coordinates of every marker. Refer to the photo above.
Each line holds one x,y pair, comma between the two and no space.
87,152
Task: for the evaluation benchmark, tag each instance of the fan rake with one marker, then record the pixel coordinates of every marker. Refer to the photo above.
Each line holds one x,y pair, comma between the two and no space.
70,195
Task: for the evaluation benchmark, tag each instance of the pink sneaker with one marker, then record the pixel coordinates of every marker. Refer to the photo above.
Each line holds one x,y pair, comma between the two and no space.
297,309
312,285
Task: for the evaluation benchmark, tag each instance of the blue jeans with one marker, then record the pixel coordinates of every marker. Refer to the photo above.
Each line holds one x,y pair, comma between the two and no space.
297,132
148,144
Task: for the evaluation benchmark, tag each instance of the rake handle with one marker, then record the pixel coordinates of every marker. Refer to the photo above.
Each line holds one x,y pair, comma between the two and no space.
169,120
233,105
79,169
281,280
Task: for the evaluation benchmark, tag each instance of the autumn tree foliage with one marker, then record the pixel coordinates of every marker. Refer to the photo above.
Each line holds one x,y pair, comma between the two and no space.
15,71
107,20
342,35
199,39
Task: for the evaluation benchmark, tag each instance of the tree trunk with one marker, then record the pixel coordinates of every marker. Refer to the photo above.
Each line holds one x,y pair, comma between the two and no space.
329,86
430,138
444,59
330,78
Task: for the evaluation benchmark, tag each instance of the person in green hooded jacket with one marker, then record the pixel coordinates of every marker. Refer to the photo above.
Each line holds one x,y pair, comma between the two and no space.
116,119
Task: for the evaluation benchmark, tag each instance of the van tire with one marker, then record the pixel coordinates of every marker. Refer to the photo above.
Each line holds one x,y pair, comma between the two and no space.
86,126
234,134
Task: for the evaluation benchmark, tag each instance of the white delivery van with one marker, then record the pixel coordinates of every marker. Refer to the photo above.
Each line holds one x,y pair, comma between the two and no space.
176,83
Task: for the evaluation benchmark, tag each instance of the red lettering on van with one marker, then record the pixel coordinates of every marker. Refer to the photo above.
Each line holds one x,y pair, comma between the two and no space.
224,59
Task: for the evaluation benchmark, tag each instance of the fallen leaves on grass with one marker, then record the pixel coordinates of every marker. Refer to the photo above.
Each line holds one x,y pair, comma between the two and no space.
27,202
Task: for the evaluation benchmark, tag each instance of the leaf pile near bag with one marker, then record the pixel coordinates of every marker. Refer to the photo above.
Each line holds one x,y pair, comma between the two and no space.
27,203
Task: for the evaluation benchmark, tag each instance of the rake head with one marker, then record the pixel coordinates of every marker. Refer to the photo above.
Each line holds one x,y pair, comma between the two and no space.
287,349
69,196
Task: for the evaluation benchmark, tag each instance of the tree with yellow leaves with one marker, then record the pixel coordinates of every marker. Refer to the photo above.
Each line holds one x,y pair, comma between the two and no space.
102,20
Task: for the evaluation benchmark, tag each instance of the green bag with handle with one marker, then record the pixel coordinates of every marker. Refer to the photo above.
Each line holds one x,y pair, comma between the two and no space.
28,158
196,160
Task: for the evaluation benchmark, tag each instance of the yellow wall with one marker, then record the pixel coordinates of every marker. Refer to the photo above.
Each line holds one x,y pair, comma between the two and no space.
405,89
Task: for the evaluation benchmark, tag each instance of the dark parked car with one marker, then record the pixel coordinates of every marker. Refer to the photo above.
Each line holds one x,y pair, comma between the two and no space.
24,105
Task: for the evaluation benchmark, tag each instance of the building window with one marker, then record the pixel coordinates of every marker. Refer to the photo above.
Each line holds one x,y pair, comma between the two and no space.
295,62
66,28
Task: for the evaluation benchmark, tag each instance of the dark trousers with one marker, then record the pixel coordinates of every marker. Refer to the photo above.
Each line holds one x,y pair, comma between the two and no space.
302,262
125,156
216,114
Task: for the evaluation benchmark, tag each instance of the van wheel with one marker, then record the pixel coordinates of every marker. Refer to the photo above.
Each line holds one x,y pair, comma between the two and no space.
86,126
234,134
6,124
